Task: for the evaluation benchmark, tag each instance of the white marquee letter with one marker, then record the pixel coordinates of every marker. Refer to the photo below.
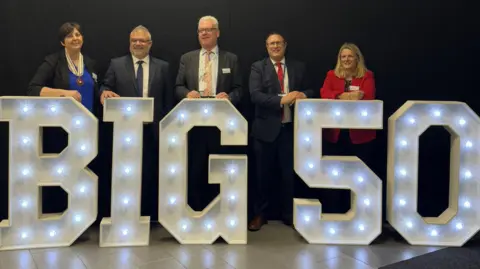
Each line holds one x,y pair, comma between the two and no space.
461,220
126,227
30,170
226,215
362,224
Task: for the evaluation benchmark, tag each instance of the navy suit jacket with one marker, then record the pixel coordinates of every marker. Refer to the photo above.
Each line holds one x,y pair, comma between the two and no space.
264,93
120,78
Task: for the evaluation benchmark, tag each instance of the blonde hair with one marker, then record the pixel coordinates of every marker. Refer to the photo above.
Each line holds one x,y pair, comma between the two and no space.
361,68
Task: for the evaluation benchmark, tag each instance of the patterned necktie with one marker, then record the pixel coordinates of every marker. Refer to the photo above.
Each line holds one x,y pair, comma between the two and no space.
140,79
207,76
280,80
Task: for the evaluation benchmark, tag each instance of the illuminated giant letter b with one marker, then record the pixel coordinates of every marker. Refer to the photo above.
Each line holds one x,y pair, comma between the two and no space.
30,169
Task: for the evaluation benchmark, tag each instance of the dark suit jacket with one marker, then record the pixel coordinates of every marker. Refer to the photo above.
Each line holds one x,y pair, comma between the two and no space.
53,73
264,91
120,78
187,77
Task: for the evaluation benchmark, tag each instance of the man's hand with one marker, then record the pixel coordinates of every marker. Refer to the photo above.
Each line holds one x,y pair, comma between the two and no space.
222,95
193,94
107,94
72,93
288,98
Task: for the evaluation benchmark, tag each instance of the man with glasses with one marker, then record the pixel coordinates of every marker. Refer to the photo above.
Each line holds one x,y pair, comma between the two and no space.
206,73
140,75
275,84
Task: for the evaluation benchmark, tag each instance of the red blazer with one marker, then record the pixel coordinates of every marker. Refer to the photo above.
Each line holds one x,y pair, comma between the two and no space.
333,86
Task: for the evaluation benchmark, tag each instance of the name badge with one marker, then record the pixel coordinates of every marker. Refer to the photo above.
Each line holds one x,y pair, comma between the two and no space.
94,76
225,70
354,88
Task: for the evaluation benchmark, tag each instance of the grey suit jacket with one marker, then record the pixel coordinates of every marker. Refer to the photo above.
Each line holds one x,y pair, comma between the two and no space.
120,78
231,83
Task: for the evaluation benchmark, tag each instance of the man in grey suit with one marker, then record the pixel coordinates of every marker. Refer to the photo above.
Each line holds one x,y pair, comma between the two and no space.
140,75
206,73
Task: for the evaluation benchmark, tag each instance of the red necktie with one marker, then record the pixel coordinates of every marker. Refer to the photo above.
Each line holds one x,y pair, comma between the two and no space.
280,80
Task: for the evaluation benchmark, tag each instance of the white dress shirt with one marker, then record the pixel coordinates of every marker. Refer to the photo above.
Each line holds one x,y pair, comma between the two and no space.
287,112
146,72
214,70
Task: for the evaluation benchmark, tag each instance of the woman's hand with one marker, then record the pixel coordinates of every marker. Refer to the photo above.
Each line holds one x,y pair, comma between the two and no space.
71,93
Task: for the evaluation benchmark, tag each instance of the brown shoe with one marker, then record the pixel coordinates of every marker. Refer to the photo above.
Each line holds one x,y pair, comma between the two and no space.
256,224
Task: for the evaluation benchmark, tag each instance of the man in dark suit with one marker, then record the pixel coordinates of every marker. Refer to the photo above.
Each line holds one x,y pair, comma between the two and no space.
208,73
141,75
275,84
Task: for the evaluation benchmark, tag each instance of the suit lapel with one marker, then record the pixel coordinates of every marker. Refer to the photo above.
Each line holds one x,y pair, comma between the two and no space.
274,75
196,64
151,74
65,72
221,62
291,76
131,73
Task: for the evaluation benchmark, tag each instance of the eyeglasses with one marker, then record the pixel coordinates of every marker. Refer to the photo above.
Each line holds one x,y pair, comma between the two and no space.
142,41
206,30
276,44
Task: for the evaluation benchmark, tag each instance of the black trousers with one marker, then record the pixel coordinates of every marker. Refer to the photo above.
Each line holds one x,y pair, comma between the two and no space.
338,201
203,141
150,179
272,156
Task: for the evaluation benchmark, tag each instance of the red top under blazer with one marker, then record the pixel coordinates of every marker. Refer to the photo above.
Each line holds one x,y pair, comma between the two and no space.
333,86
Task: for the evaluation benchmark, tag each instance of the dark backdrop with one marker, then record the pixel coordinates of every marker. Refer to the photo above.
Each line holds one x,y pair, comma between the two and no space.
423,50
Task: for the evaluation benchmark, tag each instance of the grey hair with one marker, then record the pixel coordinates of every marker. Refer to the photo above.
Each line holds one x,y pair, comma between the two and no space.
210,18
142,28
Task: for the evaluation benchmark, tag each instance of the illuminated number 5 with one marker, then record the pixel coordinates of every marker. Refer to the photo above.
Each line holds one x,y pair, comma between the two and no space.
362,224
226,215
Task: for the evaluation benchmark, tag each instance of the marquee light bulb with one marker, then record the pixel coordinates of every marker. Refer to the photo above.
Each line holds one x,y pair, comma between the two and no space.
182,116
332,231
82,189
308,113
126,201
52,233
173,170
403,172
409,224
402,202
459,226
60,170
208,226
205,110
25,108
366,202
128,139
24,235
437,113
24,203
361,227
25,140
233,222
173,140
184,226
337,113
232,198
310,165
306,218
468,174
25,172
127,170
83,147
172,200
466,204
360,179
364,113
231,123
462,121
307,139
129,108
434,233
403,143
335,172
232,171
125,231
78,218
78,123
411,120
468,144
53,109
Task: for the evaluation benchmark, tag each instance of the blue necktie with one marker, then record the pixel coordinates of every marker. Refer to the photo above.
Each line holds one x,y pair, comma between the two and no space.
140,79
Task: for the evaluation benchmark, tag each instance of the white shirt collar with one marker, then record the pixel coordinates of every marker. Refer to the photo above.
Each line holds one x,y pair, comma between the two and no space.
214,50
145,60
274,62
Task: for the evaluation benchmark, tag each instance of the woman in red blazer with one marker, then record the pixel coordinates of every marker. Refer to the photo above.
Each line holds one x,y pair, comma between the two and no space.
350,80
